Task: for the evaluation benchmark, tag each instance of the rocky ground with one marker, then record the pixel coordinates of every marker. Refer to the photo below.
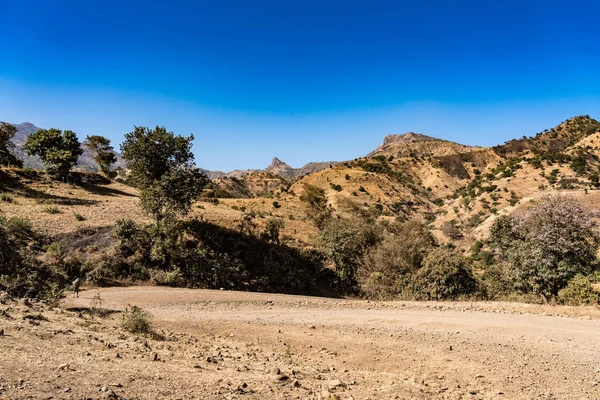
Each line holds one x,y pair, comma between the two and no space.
231,345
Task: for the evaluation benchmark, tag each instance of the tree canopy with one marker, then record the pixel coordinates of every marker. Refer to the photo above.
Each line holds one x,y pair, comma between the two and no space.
7,132
162,168
57,149
104,154
548,245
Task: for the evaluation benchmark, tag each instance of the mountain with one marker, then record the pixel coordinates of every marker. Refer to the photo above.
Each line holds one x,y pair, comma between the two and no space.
85,162
277,167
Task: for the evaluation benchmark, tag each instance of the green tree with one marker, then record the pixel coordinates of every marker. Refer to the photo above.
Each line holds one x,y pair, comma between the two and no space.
344,242
548,245
317,209
162,168
444,275
399,255
57,149
7,132
104,154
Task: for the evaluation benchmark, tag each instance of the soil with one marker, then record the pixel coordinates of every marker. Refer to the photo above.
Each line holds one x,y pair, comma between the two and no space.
234,345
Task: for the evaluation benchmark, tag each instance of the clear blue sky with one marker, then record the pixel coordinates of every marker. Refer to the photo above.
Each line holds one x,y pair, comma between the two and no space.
300,80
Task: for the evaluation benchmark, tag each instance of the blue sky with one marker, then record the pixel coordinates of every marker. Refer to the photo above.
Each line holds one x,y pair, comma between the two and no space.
300,80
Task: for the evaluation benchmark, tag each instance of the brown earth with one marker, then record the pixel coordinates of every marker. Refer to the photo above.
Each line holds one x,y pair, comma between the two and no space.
232,345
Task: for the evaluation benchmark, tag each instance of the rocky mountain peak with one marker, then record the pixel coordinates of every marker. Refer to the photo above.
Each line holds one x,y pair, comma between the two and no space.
408,137
277,163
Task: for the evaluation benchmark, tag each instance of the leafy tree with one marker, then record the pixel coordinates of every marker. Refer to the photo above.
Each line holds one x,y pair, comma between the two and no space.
272,230
58,149
396,257
162,168
7,131
317,209
344,242
104,152
444,275
548,245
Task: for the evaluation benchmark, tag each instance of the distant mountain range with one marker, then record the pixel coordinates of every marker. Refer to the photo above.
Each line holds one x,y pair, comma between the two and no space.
86,160
277,167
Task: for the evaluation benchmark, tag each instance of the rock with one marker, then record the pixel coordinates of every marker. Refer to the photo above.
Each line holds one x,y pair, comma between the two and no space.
275,371
326,395
296,383
334,384
155,357
1,332
109,394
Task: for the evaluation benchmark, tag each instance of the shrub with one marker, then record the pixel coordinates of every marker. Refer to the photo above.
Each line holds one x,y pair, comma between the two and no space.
444,275
344,242
450,229
317,209
548,245
137,320
276,204
19,228
386,266
6,197
79,217
22,275
579,291
438,202
52,210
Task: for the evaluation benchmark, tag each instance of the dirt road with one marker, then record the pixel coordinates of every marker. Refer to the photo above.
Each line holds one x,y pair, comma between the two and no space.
250,345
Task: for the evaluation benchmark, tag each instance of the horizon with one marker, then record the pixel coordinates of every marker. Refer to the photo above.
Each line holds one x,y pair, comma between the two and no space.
272,159
302,83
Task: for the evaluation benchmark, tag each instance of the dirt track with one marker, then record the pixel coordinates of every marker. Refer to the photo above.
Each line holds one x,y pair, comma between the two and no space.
230,345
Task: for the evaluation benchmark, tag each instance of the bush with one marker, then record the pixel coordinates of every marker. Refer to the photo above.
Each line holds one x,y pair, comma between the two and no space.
21,275
451,230
444,275
79,217
137,320
386,266
579,291
548,245
6,197
344,242
52,210
317,209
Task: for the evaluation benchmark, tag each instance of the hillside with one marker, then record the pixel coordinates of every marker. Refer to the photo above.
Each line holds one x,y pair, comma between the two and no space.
458,189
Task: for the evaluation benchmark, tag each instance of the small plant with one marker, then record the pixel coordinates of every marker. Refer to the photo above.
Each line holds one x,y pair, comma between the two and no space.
6,197
137,320
276,204
79,217
52,210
